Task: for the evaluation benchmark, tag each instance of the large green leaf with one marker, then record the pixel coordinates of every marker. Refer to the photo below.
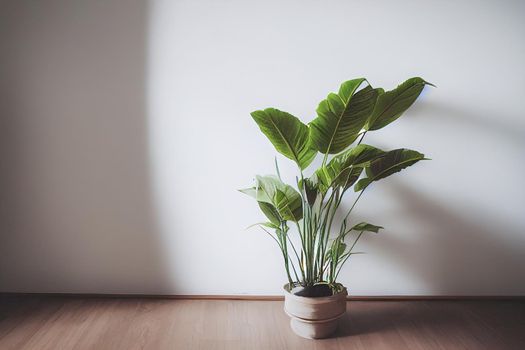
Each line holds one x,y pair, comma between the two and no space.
391,104
265,188
286,200
342,116
277,200
271,213
336,177
268,185
389,163
289,204
288,135
344,169
359,155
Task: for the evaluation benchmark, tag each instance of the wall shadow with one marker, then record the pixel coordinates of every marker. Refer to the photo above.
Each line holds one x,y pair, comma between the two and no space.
77,211
450,250
465,257
475,120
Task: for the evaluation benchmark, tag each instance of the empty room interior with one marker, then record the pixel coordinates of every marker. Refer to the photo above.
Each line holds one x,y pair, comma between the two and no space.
241,174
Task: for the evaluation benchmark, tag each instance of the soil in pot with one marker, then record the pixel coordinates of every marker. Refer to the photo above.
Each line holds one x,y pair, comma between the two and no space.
315,291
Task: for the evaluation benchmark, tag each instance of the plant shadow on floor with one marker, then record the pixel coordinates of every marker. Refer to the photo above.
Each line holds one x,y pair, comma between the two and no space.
367,318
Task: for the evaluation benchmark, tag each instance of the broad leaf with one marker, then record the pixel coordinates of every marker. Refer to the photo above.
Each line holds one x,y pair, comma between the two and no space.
391,104
277,200
358,155
271,213
289,204
337,177
344,169
342,116
365,226
391,162
266,187
255,192
288,135
284,198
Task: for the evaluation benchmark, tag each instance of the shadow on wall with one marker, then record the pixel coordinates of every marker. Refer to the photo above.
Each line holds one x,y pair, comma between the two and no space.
450,248
473,120
77,210
467,257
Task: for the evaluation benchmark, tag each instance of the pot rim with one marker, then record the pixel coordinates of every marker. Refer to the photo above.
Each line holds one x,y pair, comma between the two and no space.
342,293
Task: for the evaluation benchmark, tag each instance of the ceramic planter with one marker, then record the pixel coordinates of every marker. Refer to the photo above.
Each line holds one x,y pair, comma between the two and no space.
314,318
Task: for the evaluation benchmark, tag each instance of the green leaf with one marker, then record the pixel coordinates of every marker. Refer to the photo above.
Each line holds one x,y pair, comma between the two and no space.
389,163
311,187
340,250
289,135
265,224
289,204
256,193
271,213
266,187
358,155
365,226
344,169
337,177
391,104
284,198
336,250
341,116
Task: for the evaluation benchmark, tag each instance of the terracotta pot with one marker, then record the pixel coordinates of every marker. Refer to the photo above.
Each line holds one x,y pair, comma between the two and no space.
314,318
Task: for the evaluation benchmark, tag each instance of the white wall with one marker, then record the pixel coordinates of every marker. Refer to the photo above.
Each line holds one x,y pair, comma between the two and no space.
127,133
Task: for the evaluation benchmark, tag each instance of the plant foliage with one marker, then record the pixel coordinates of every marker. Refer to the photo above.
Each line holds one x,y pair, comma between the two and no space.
321,248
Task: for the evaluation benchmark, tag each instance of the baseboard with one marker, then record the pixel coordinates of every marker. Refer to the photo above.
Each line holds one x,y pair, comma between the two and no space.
266,297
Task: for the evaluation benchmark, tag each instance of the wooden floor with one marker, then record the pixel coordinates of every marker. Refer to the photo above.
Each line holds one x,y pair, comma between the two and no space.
95,323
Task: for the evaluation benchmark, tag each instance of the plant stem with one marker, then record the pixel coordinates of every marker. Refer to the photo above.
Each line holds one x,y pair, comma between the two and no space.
362,137
355,202
349,253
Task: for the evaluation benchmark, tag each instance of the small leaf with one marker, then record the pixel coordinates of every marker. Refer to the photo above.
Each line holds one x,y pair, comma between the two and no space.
289,135
336,250
365,226
277,169
361,184
390,105
311,188
265,224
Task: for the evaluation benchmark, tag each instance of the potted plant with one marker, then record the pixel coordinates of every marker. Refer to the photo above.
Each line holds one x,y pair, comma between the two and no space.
301,220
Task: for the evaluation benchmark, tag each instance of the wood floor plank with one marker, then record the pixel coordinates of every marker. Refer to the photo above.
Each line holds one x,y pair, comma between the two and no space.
33,322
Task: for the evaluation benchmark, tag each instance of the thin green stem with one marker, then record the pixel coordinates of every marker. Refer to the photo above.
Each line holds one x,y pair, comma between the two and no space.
355,202
349,253
362,137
